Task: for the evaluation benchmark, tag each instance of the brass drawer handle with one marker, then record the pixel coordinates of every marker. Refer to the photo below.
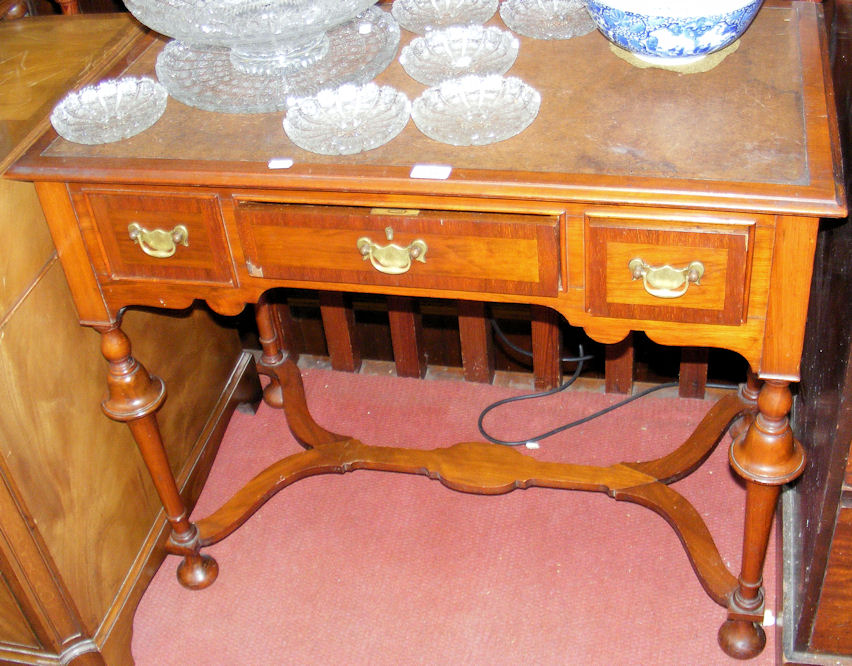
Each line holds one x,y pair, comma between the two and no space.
158,243
666,281
391,259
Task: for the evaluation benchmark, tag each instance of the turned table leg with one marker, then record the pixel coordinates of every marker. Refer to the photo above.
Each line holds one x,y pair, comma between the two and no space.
767,456
748,392
133,398
272,353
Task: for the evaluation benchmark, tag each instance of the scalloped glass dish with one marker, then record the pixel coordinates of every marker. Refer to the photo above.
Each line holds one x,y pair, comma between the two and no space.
459,50
347,120
420,16
476,110
547,19
204,77
111,110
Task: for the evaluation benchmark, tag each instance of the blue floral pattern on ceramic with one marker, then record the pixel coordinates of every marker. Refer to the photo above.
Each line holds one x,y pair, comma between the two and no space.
671,36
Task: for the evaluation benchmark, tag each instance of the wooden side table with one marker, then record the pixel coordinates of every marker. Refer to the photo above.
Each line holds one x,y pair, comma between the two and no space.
685,206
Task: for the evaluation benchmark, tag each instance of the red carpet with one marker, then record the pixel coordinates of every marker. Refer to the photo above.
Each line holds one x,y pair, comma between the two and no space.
378,568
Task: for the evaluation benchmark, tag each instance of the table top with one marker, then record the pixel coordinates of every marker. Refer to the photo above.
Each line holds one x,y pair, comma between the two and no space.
40,59
757,132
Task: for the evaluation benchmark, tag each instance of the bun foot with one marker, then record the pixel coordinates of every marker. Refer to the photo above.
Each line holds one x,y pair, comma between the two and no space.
197,571
273,395
741,639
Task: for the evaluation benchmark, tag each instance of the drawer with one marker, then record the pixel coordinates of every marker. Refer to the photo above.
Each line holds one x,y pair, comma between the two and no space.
438,250
157,235
684,269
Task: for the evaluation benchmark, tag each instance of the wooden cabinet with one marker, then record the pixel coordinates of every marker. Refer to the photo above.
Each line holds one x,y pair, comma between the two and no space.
81,527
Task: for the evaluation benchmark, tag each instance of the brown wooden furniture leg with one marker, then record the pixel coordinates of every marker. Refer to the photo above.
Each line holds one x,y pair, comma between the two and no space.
767,456
546,348
693,372
338,320
69,6
134,397
618,373
477,342
285,390
749,393
406,329
288,330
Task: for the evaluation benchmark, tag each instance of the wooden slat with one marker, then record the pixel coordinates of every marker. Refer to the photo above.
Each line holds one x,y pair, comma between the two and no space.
546,348
477,343
693,372
619,366
287,330
338,321
406,331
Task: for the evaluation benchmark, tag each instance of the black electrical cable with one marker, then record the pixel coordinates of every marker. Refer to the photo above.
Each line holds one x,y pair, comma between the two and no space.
523,352
529,396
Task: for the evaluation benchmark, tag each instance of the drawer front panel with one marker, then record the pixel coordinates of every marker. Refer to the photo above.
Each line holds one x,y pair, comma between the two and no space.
516,254
672,270
160,236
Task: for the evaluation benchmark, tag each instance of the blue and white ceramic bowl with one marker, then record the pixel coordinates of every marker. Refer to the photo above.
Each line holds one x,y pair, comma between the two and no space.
673,31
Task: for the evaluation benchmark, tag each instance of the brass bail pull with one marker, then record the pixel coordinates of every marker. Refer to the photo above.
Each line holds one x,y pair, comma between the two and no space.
666,281
158,243
391,259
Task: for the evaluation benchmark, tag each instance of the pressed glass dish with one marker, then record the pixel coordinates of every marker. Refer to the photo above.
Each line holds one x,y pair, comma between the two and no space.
204,77
547,19
458,50
111,110
347,120
420,16
476,110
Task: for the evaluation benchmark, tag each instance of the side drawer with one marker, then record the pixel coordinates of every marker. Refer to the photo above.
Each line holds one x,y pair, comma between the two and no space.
428,249
156,235
692,269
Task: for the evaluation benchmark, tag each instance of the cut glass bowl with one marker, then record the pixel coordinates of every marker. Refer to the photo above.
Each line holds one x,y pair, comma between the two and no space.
347,120
205,78
264,34
459,50
547,19
111,110
420,16
476,110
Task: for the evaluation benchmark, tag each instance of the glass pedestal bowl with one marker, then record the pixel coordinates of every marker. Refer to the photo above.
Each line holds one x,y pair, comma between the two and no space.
262,43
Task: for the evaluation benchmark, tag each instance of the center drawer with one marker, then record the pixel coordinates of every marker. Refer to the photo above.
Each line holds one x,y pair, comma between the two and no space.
430,249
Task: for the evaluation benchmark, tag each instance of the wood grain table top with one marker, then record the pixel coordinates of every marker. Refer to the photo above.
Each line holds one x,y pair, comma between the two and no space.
41,58
758,129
